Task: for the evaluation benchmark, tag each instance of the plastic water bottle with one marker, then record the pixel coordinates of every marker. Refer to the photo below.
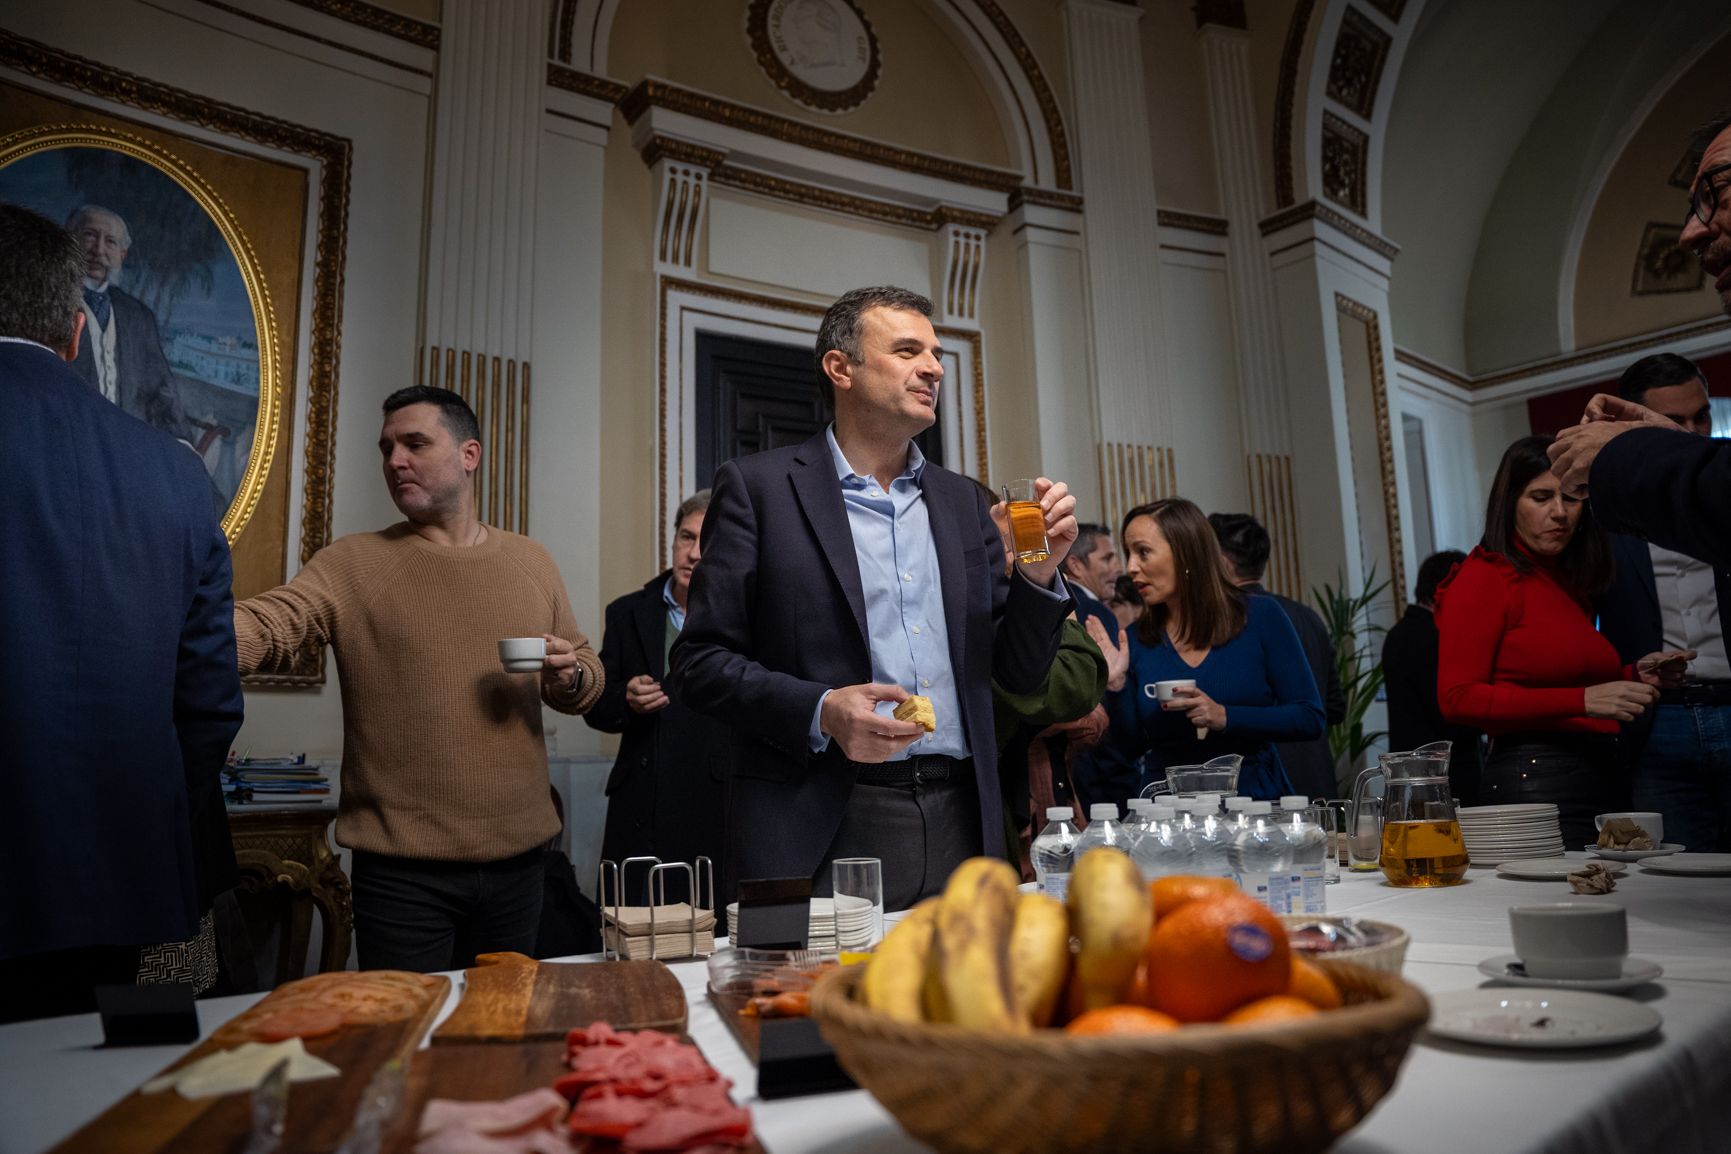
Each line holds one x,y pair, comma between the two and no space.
1262,860
1210,843
1054,852
1104,829
1303,829
1238,812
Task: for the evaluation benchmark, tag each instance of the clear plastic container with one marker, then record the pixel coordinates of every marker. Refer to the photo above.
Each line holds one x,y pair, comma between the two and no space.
1104,829
1054,852
1302,824
1261,859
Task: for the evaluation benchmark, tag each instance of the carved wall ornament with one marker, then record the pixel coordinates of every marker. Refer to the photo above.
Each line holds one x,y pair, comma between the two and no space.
1355,68
1345,157
820,53
1663,267
1365,315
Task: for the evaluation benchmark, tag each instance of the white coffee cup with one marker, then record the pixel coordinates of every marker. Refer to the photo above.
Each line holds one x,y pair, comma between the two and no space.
1162,690
1570,940
1653,823
523,654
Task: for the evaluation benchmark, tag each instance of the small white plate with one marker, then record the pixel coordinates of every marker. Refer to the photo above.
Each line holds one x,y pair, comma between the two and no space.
1703,864
1636,972
1539,1018
1552,868
1665,849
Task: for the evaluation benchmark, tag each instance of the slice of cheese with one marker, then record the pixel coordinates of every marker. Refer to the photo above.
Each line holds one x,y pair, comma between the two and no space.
918,709
242,1068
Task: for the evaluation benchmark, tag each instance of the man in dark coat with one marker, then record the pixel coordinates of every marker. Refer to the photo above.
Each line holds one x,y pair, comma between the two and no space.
666,794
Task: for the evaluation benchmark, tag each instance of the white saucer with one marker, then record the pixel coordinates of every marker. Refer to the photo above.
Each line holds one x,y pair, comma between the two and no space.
1539,1018
1636,971
1701,864
1552,868
1665,848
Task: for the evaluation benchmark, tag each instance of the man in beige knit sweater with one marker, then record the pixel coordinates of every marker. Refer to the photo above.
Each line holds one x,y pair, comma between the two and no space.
445,798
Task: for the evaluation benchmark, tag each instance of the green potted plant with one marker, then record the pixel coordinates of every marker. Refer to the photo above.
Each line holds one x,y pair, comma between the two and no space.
1351,632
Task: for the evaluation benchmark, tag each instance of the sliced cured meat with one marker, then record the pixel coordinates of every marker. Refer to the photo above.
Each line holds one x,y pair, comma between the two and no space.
459,1141
607,1114
536,1110
679,1127
297,1022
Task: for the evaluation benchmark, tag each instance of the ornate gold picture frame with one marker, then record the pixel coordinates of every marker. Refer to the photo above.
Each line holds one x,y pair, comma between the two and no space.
187,341
277,195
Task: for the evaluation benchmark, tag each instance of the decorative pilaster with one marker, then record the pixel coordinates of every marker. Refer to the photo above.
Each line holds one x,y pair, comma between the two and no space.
1116,164
1255,318
481,232
964,248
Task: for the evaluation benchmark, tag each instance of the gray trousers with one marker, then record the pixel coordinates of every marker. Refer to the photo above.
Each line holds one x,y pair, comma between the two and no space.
919,832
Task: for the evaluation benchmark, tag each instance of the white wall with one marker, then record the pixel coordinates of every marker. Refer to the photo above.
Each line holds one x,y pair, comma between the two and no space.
1202,372
1457,487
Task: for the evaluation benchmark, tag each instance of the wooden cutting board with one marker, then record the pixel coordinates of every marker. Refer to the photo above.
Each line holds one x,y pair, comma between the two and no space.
516,999
319,1113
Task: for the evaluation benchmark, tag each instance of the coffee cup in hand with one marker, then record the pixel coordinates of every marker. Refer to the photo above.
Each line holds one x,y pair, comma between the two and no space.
523,654
1163,691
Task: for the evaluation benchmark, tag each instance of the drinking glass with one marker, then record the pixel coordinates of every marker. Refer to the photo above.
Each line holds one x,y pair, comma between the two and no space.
1364,839
859,902
1027,521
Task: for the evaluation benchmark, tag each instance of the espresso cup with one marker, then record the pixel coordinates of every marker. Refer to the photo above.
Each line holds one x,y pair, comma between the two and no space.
1653,823
1570,940
1162,690
523,654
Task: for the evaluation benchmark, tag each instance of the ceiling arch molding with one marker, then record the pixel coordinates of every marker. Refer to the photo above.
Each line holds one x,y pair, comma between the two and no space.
1024,100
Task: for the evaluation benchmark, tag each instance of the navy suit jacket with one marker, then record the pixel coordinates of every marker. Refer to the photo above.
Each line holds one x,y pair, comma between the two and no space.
1630,619
119,695
777,616
1669,487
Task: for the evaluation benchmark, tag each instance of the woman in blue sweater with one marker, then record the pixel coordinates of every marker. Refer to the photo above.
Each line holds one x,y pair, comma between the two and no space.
1253,685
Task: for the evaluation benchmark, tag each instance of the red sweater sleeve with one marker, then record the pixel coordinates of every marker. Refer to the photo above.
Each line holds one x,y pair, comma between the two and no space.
1473,612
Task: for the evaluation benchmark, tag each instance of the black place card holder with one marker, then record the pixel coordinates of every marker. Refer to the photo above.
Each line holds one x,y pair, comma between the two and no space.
154,1015
793,1059
774,914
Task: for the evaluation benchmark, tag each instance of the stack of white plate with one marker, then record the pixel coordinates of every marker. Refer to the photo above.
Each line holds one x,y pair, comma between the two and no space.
821,932
1500,833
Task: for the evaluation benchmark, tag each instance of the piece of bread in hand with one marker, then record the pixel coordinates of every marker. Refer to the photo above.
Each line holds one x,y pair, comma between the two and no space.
918,709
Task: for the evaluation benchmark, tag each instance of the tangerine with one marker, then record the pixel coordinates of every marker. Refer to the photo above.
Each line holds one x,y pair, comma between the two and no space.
1211,957
1313,985
1173,893
1122,1020
1275,1008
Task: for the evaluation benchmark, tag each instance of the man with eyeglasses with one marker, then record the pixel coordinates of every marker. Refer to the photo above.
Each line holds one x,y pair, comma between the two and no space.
1644,475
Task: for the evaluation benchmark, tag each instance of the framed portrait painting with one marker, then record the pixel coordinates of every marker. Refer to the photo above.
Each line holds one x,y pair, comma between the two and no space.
214,242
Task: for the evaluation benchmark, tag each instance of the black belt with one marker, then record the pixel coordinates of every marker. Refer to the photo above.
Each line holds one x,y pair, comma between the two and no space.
1699,693
926,770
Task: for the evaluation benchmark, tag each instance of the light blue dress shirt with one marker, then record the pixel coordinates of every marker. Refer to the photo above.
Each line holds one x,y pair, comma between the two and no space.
674,613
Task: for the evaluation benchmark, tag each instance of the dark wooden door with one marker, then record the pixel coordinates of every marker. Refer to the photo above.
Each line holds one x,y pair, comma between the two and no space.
754,395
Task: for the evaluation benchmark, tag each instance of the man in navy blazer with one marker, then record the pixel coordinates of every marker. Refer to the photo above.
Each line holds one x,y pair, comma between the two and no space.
1679,752
119,694
839,577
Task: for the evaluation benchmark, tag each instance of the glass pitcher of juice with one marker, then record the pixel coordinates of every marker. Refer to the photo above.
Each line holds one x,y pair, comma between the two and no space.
1420,834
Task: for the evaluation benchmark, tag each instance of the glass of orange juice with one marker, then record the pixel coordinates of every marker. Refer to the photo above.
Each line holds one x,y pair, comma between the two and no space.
1027,521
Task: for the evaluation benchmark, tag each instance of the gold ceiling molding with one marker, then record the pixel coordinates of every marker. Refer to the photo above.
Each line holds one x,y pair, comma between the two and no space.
333,155
585,84
653,93
1048,103
668,148
1044,198
1366,315
232,10
376,19
1380,245
1285,98
562,18
1194,221
1563,361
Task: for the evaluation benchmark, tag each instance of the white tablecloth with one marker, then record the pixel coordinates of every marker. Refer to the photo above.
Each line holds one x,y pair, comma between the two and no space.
1671,1093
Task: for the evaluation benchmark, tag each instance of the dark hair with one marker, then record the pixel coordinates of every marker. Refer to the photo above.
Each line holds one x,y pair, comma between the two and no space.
1244,541
1585,565
698,502
1659,371
1211,606
1124,589
454,411
41,278
842,323
1432,571
1703,137
1088,534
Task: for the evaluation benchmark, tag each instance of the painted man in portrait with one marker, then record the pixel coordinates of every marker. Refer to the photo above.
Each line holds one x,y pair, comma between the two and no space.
121,355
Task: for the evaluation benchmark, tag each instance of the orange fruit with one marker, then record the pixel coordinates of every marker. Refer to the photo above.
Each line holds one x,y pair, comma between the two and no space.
1211,957
1122,1020
1314,986
1276,1008
1172,894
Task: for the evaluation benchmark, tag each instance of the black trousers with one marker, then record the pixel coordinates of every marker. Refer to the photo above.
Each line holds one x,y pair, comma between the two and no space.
437,915
1579,773
919,832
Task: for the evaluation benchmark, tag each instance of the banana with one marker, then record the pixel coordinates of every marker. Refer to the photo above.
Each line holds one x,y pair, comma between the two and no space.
1111,911
896,974
1039,956
973,943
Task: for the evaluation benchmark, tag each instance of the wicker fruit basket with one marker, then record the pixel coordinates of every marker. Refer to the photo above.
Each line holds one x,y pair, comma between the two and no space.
1289,1087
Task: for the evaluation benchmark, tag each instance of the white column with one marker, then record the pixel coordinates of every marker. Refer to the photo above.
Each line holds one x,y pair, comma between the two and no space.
1264,413
481,230
1116,165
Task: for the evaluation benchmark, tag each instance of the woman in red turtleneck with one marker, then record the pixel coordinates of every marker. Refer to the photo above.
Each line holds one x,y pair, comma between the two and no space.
1519,656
